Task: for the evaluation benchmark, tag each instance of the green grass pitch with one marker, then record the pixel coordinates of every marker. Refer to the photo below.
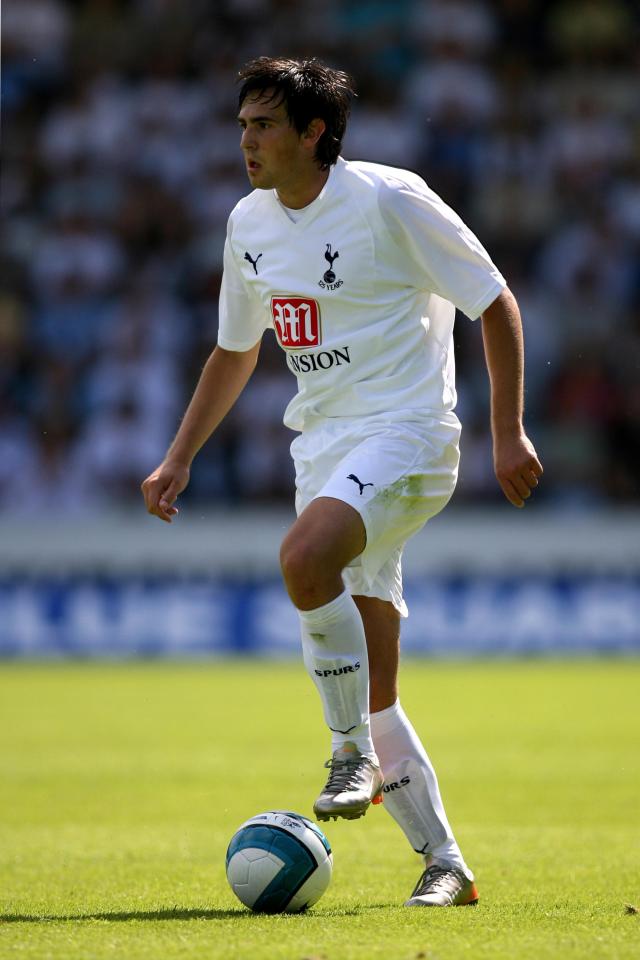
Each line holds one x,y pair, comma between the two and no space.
122,784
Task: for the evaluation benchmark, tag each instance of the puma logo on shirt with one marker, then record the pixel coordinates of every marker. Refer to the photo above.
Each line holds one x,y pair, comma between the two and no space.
254,263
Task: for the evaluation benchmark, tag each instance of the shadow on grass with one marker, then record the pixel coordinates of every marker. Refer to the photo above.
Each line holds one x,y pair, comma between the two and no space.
174,914
123,916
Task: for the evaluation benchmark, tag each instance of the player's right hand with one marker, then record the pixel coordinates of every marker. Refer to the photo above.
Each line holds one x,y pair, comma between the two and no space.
161,488
516,465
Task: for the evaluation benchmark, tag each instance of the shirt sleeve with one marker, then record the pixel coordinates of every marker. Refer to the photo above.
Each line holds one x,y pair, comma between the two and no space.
242,318
449,258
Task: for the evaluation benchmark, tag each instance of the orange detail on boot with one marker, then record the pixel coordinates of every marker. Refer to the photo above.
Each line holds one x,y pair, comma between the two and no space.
472,898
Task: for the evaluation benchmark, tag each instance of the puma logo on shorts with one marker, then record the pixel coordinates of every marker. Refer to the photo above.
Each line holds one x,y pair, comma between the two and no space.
353,477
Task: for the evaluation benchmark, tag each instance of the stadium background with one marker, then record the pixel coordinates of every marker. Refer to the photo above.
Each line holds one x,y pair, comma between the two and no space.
120,166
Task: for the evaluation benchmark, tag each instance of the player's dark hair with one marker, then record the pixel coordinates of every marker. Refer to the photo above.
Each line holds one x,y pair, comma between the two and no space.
308,89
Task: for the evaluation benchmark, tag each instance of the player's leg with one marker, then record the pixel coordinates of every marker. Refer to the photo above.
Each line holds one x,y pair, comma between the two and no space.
382,630
360,495
327,535
411,792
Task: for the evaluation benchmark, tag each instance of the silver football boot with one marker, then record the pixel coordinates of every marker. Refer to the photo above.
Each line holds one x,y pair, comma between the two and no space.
442,885
354,782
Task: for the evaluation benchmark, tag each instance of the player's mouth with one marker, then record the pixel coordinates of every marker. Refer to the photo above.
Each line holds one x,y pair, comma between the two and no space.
253,166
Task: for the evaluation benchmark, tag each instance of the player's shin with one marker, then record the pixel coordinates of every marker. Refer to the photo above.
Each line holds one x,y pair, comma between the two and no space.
411,792
335,654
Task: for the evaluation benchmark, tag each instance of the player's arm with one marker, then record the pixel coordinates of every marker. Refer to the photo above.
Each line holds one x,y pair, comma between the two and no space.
223,379
515,460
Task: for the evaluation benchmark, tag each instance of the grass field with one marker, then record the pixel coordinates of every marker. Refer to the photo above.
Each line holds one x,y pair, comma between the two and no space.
122,784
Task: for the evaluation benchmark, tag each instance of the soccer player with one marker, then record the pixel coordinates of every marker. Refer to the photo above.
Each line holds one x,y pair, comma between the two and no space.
357,268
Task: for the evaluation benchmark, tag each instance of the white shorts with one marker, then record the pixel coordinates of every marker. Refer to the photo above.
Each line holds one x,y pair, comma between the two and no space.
396,475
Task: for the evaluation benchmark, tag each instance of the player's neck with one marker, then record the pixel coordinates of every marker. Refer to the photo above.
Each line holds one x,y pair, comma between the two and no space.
300,192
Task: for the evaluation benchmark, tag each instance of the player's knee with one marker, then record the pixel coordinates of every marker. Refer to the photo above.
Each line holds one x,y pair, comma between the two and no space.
298,559
306,568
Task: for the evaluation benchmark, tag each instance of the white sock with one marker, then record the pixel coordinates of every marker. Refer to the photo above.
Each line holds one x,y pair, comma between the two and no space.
411,792
335,654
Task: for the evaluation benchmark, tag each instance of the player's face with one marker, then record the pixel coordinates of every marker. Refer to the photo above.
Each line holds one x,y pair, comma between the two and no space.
276,155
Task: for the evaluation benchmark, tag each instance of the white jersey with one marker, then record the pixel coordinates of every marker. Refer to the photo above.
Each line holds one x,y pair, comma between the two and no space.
361,292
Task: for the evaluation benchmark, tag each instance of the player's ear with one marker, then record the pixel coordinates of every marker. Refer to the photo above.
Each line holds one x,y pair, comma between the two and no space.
314,131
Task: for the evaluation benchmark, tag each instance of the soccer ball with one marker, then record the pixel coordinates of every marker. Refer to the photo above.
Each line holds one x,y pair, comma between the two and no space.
279,862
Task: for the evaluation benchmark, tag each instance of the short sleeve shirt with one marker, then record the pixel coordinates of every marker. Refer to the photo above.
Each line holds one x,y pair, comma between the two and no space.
360,292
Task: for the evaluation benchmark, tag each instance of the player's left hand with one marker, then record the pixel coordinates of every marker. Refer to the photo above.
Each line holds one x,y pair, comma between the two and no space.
517,467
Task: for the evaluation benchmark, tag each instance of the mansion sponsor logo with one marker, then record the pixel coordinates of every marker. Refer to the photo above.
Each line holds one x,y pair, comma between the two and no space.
312,362
296,321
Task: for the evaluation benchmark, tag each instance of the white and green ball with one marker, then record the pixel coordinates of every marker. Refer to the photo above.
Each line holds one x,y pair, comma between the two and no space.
279,862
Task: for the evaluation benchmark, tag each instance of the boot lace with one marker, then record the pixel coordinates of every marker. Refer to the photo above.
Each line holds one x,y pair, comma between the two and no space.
343,773
434,879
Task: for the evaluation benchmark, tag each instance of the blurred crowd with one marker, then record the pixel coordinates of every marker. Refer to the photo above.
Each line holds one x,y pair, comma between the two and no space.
121,165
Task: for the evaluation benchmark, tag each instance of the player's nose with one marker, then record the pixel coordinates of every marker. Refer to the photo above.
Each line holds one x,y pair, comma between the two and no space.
247,140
